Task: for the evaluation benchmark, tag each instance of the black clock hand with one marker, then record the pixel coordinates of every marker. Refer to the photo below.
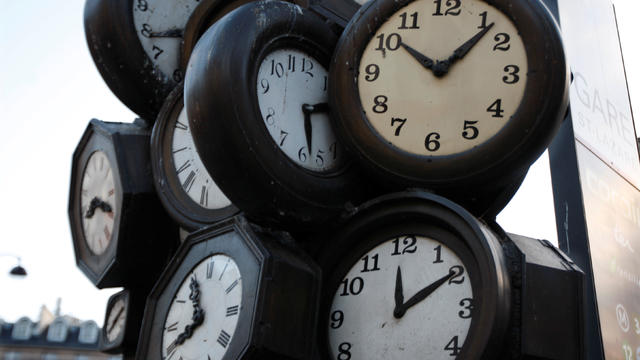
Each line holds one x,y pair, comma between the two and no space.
307,110
422,294
173,33
463,49
198,313
115,320
398,295
95,204
422,59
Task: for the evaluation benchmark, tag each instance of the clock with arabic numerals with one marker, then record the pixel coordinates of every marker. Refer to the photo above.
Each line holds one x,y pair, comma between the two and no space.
121,234
449,94
420,278
141,47
119,334
233,291
187,191
258,111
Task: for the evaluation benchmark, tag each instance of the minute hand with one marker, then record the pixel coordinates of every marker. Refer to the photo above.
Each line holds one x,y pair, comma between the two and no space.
422,294
463,49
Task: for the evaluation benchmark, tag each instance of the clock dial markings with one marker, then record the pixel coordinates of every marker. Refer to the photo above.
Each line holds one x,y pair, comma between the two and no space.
97,184
223,338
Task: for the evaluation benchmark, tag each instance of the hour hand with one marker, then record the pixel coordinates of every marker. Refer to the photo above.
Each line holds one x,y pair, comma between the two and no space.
424,60
399,297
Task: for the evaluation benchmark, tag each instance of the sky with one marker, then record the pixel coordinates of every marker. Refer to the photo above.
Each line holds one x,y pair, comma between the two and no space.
50,89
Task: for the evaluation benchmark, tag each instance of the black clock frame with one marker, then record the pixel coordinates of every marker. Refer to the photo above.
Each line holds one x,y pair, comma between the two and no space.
510,151
277,279
124,65
126,341
227,125
143,237
421,213
178,204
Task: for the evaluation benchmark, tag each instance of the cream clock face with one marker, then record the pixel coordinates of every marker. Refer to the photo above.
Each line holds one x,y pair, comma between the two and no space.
116,320
292,96
160,27
193,176
410,297
98,202
442,77
203,315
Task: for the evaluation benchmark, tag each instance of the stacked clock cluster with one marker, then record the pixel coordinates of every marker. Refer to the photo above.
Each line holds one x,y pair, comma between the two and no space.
320,180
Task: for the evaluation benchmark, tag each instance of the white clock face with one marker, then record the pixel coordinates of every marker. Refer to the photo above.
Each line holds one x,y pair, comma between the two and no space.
98,202
292,95
209,301
441,77
408,298
115,320
193,176
160,26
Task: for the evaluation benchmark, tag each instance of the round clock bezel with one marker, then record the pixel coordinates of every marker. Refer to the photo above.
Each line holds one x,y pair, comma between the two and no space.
178,204
96,264
523,138
282,192
227,242
425,214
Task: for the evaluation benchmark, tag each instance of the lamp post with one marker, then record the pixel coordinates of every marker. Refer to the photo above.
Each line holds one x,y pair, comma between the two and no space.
17,270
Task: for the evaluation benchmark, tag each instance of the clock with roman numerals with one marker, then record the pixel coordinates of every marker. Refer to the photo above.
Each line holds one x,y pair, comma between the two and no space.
446,94
259,115
420,278
187,191
117,222
233,291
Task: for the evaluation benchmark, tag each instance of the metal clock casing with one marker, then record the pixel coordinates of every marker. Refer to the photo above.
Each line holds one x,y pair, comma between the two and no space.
384,236
141,237
278,291
526,130
141,47
257,151
185,188
123,316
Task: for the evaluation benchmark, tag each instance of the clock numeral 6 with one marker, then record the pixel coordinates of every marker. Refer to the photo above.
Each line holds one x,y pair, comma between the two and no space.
431,141
372,71
343,351
380,106
453,346
302,154
467,304
470,132
353,287
337,318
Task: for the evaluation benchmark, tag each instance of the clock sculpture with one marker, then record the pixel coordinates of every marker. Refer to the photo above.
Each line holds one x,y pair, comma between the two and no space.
420,278
141,47
449,94
187,191
121,235
233,291
258,111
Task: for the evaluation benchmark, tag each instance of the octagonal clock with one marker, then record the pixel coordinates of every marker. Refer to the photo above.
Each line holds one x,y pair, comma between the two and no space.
117,222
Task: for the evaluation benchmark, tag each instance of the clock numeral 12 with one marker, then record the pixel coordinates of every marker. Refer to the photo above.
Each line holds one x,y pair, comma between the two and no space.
409,243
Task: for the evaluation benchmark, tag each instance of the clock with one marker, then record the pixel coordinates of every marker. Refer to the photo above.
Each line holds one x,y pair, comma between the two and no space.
233,291
122,320
184,186
259,116
417,277
449,94
140,47
117,222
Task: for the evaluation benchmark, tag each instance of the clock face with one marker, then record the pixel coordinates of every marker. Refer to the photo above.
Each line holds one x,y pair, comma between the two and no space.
442,77
98,202
292,95
192,175
116,320
204,313
160,26
406,287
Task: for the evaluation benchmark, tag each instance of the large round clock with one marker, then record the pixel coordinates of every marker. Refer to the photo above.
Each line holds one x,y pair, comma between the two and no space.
117,222
259,115
233,291
445,94
421,278
141,47
184,186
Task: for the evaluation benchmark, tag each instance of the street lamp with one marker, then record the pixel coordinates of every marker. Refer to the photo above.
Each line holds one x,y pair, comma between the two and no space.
17,270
